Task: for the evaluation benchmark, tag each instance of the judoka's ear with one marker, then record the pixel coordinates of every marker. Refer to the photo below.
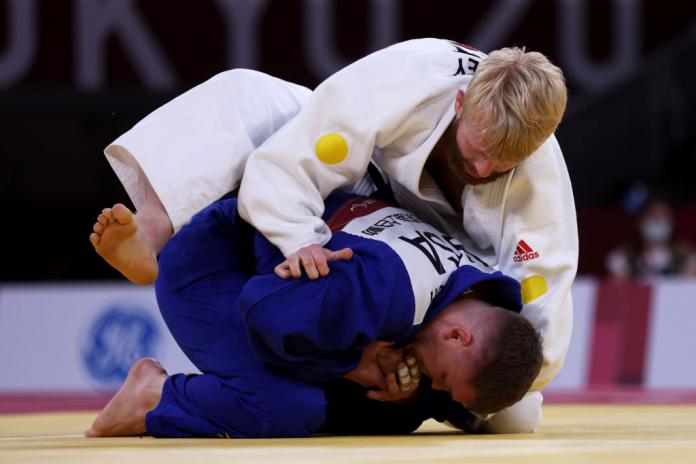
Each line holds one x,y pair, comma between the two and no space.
460,335
459,101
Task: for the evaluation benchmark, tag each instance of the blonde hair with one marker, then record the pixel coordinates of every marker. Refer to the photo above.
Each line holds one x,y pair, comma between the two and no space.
516,99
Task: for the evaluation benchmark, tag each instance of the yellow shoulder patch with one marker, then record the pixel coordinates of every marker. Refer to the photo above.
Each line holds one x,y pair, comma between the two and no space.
331,148
532,288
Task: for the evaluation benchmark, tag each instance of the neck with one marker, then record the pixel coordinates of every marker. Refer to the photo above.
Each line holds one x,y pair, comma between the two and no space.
447,181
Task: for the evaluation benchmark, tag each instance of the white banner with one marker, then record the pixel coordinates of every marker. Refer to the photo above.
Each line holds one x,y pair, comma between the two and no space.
80,336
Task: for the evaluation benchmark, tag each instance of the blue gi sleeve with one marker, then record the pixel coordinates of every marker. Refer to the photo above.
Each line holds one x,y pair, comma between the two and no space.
350,412
315,330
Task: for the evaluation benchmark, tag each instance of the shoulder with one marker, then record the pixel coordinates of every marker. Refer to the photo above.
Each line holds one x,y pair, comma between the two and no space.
418,57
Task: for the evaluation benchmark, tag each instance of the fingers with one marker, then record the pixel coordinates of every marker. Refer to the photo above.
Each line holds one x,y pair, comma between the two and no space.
392,386
313,259
319,261
294,266
392,393
342,255
409,374
404,377
408,380
413,369
283,270
309,266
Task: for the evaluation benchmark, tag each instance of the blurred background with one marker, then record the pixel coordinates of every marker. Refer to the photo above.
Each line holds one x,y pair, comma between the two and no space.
75,74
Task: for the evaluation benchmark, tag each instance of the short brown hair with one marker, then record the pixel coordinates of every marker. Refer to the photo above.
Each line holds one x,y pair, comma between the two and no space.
510,361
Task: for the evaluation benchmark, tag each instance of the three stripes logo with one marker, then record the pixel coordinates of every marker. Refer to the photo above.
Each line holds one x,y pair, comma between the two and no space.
524,252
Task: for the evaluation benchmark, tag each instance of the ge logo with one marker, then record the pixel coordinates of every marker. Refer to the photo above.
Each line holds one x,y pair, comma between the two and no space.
117,339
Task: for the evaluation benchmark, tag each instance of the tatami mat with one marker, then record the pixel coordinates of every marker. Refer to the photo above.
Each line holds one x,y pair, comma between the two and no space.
570,434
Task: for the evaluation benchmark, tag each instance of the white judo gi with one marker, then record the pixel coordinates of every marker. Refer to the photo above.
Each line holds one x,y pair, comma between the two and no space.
391,106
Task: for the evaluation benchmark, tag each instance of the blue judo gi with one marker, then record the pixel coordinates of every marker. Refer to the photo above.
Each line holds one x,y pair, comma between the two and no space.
272,352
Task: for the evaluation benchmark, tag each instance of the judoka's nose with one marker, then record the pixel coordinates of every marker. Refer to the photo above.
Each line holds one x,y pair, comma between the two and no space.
484,167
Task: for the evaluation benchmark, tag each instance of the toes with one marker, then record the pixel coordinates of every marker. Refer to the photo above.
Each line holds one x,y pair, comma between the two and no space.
108,214
122,214
98,228
95,239
101,219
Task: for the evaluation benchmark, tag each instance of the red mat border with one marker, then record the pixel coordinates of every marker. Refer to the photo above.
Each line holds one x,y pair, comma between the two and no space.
23,402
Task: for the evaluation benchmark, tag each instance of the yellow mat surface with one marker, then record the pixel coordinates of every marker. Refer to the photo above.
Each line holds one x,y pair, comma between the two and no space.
592,434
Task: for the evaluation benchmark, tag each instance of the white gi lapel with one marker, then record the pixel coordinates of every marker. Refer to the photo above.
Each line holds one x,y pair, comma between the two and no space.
482,215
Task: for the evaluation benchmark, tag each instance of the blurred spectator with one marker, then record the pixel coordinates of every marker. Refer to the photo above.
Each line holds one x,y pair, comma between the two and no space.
654,251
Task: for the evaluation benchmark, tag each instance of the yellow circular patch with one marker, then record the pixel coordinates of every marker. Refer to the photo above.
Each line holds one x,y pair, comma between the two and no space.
532,288
331,148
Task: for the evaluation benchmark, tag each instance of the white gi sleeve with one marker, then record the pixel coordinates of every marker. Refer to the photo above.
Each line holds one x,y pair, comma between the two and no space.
379,100
522,417
528,219
539,248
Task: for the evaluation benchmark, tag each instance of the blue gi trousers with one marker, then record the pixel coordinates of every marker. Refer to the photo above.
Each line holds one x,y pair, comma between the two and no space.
202,271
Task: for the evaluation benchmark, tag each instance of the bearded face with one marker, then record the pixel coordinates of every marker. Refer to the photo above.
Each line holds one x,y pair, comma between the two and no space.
460,145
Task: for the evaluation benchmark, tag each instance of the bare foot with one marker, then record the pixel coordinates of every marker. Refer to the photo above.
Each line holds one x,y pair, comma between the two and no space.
140,393
122,243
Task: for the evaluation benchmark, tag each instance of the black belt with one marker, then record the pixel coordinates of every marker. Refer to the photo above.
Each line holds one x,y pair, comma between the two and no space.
384,191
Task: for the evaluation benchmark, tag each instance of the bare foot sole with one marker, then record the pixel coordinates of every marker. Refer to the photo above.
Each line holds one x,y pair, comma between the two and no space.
118,239
125,414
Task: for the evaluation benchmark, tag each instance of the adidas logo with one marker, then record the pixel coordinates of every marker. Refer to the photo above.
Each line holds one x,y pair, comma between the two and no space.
524,252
